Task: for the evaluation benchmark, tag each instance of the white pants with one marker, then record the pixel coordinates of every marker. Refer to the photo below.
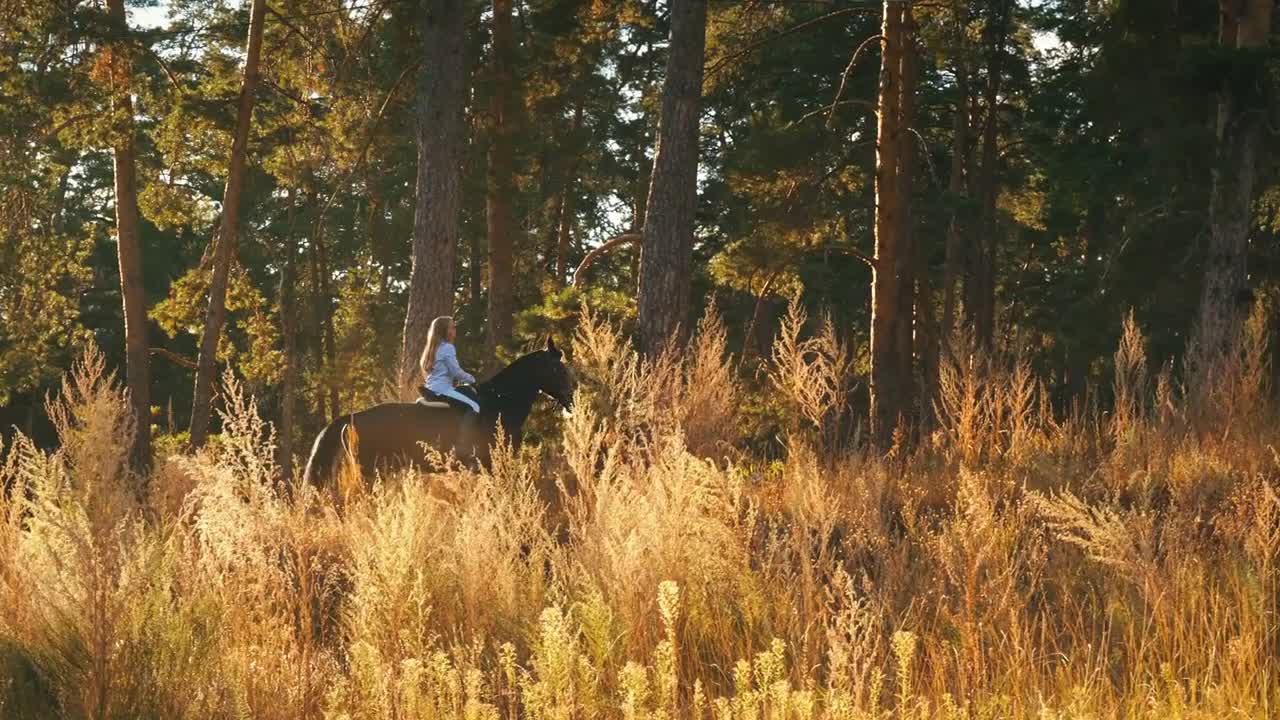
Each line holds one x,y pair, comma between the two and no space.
450,392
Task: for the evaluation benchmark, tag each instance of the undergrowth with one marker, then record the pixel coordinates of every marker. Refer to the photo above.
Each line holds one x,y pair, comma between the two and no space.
1011,562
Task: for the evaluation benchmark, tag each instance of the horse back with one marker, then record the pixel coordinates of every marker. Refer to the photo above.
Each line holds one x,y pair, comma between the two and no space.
386,433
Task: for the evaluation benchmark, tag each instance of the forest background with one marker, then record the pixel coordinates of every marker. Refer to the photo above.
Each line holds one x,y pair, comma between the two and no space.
922,354
1060,162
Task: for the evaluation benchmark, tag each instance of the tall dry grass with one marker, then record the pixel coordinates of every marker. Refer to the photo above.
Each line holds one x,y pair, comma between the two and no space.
1016,563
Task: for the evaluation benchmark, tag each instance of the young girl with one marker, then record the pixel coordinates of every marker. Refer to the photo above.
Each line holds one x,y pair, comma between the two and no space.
440,365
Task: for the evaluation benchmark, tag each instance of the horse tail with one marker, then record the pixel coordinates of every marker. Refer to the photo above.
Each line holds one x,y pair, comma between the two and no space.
324,452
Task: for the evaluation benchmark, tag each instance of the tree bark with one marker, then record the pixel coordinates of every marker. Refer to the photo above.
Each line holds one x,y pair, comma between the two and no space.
202,404
928,341
501,184
330,342
953,265
436,223
1225,296
552,205
908,254
890,385
667,248
379,239
566,213
319,302
289,338
980,285
129,245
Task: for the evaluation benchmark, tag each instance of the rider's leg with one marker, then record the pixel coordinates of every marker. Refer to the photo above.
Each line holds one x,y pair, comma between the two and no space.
465,446
457,399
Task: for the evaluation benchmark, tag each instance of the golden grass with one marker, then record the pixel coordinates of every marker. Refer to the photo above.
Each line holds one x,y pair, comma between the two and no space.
1015,564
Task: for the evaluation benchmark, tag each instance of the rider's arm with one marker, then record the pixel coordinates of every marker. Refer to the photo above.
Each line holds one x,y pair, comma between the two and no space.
449,356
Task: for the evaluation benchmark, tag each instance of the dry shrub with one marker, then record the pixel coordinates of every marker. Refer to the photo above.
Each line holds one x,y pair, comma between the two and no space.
83,577
277,568
1131,391
709,401
692,393
990,408
1229,388
815,376
1016,564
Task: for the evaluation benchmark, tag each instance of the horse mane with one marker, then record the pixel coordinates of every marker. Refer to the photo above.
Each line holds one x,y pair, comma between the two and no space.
501,380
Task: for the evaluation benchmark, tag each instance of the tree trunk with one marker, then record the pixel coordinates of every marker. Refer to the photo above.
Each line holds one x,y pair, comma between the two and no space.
475,270
667,248
330,350
928,341
289,338
379,239
319,302
564,237
501,185
908,253
439,129
552,205
980,286
129,245
1225,297
207,367
567,210
953,265
890,386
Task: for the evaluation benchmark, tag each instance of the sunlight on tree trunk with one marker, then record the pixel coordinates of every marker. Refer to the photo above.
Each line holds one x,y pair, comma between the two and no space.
202,404
566,214
891,296
128,242
289,384
441,93
1226,297
666,253
953,267
980,284
501,185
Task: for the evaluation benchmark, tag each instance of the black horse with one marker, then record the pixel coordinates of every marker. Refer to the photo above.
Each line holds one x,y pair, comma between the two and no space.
394,433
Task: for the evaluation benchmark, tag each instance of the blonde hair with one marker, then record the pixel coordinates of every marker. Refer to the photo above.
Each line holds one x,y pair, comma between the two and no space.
438,333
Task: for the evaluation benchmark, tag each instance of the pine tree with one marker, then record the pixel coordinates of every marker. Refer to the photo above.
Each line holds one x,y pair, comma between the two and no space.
891,294
207,365
501,190
128,241
665,262
441,93
1225,298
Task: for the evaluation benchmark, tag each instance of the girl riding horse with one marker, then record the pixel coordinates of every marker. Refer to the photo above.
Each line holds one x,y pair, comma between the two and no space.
443,375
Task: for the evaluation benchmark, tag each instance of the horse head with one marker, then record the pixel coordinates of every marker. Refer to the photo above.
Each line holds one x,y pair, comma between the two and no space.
551,376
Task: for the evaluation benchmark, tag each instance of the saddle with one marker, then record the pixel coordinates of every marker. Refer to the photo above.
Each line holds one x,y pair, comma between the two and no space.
465,445
431,400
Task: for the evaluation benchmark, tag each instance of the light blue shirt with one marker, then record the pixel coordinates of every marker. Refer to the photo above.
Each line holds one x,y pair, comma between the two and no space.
446,373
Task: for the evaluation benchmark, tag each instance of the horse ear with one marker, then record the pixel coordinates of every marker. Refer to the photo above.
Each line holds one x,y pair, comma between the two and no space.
551,345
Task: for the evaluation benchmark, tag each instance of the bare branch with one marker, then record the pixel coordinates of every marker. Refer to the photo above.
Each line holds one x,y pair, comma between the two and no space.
607,246
721,62
871,106
853,251
844,79
173,357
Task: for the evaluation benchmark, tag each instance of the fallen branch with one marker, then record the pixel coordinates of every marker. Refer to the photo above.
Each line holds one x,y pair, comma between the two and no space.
606,247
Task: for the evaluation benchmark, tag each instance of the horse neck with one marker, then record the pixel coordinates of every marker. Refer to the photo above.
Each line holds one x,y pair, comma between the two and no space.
510,397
